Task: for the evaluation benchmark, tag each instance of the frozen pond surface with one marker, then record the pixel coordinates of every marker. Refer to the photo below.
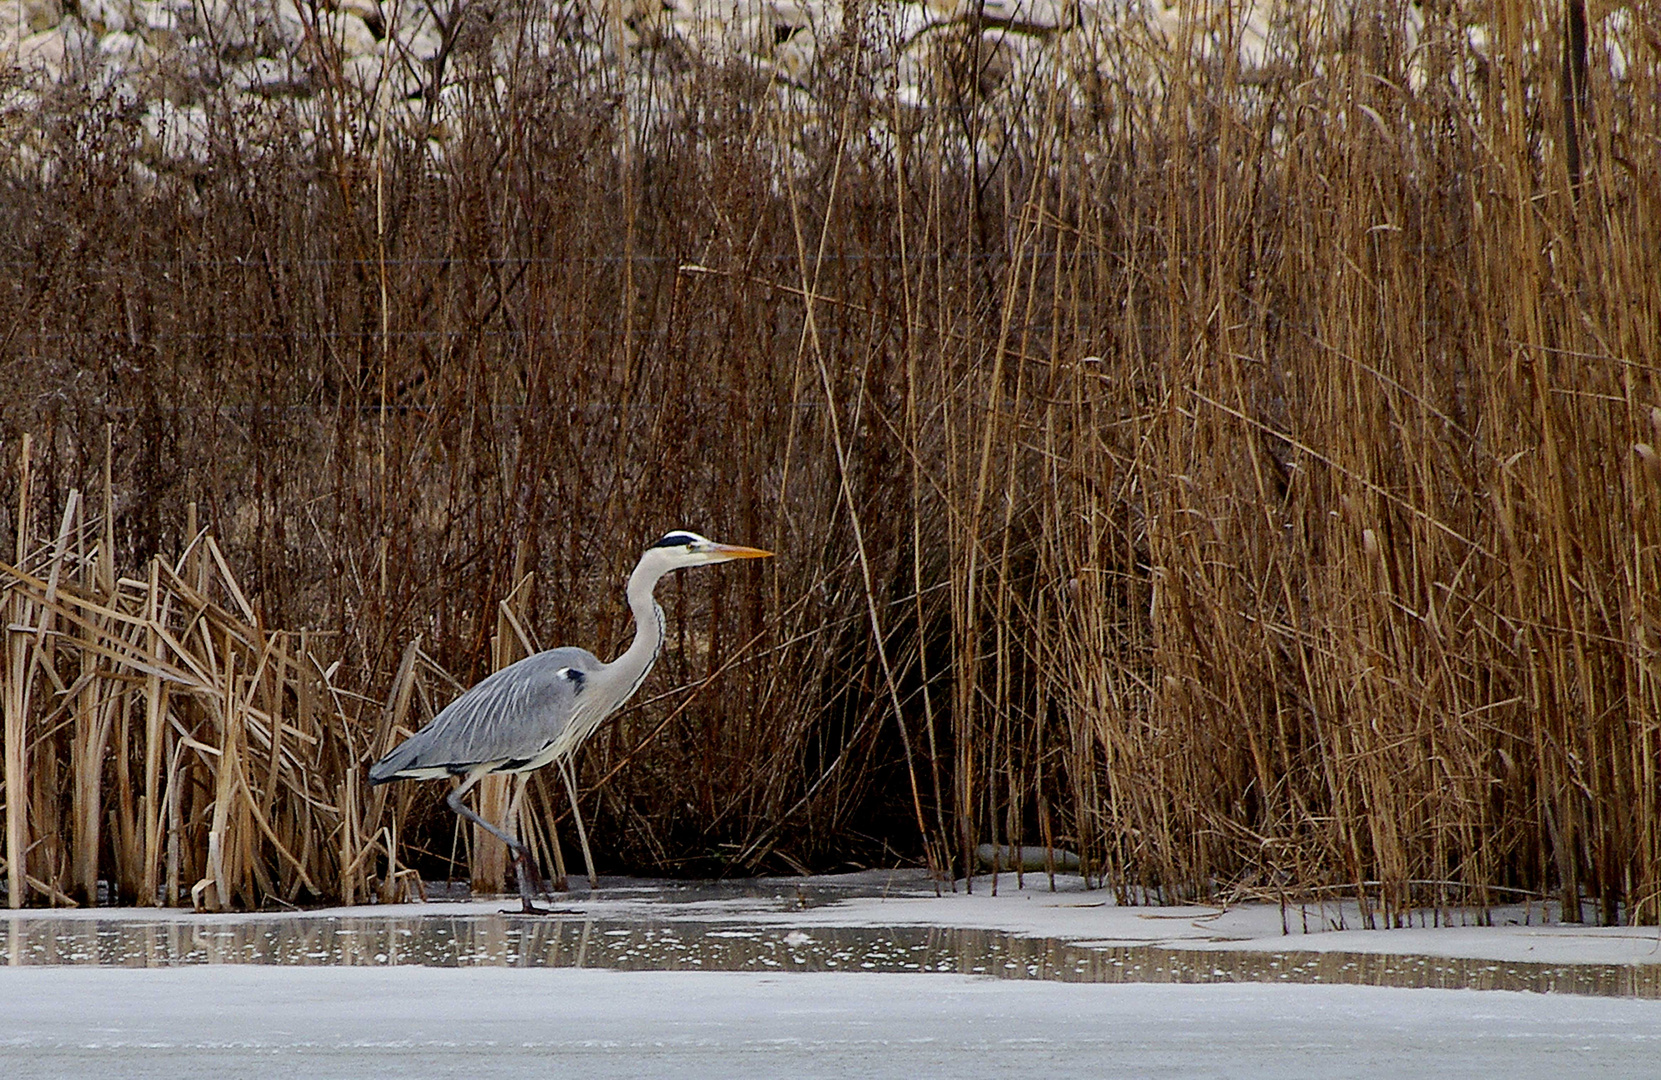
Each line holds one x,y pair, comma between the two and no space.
234,1021
861,975
495,939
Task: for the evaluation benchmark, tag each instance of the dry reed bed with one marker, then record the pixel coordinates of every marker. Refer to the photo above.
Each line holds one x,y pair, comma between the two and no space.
218,755
1251,487
159,738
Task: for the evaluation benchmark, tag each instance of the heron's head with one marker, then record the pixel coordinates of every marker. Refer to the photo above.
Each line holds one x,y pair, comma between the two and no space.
682,548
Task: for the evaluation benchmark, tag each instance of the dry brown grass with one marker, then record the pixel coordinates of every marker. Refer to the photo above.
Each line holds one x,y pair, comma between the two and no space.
160,710
1249,486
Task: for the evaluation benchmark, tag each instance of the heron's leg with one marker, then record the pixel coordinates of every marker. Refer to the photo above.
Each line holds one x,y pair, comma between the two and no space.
527,873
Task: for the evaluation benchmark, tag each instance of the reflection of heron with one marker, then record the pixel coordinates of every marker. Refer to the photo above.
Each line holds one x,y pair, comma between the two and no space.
542,708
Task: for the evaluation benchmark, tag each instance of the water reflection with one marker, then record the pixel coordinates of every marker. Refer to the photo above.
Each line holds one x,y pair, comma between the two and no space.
577,941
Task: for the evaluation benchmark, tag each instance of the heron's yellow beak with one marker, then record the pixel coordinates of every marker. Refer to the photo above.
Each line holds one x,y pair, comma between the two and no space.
734,551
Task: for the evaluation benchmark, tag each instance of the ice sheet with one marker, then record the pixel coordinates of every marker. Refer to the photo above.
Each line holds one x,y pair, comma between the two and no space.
241,1020
1071,912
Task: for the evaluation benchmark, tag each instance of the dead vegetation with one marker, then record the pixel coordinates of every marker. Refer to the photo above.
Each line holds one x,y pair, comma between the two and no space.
1250,487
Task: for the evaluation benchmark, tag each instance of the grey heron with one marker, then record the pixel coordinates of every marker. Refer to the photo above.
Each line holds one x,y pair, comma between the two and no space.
541,708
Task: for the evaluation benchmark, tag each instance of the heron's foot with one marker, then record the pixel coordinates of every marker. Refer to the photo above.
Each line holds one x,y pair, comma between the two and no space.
530,881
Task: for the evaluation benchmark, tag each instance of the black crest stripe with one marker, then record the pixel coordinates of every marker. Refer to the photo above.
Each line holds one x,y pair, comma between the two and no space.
676,539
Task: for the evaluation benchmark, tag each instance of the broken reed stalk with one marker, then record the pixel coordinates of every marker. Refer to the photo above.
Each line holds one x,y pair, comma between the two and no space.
223,693
1251,473
17,615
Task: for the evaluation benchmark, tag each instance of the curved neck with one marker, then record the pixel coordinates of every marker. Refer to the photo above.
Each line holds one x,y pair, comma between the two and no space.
630,668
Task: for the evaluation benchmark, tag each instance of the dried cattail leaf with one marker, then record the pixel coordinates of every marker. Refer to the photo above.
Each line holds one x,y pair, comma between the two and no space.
1646,454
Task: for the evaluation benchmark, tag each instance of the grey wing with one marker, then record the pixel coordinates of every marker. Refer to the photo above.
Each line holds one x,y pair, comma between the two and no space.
512,715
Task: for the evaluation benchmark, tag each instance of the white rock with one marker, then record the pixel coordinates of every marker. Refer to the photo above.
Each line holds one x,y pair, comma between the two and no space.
44,53
452,99
423,44
18,100
106,16
13,26
269,77
794,58
113,83
154,15
558,21
349,32
363,9
788,32
703,37
1037,14
751,32
159,24
403,82
1164,20
235,30
1255,44
363,73
1618,29
287,23
905,22
174,133
1476,37
124,46
794,13
78,39
1000,53
410,17
42,15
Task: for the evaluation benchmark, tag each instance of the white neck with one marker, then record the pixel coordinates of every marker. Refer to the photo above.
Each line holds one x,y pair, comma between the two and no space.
629,670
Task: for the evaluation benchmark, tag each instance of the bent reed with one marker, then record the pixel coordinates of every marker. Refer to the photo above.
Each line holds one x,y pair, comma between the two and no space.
1248,485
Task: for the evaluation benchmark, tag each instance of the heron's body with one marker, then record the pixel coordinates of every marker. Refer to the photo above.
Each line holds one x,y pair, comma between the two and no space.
540,709
516,720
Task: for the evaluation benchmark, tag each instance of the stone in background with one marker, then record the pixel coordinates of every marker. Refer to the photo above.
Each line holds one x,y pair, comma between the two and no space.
404,62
